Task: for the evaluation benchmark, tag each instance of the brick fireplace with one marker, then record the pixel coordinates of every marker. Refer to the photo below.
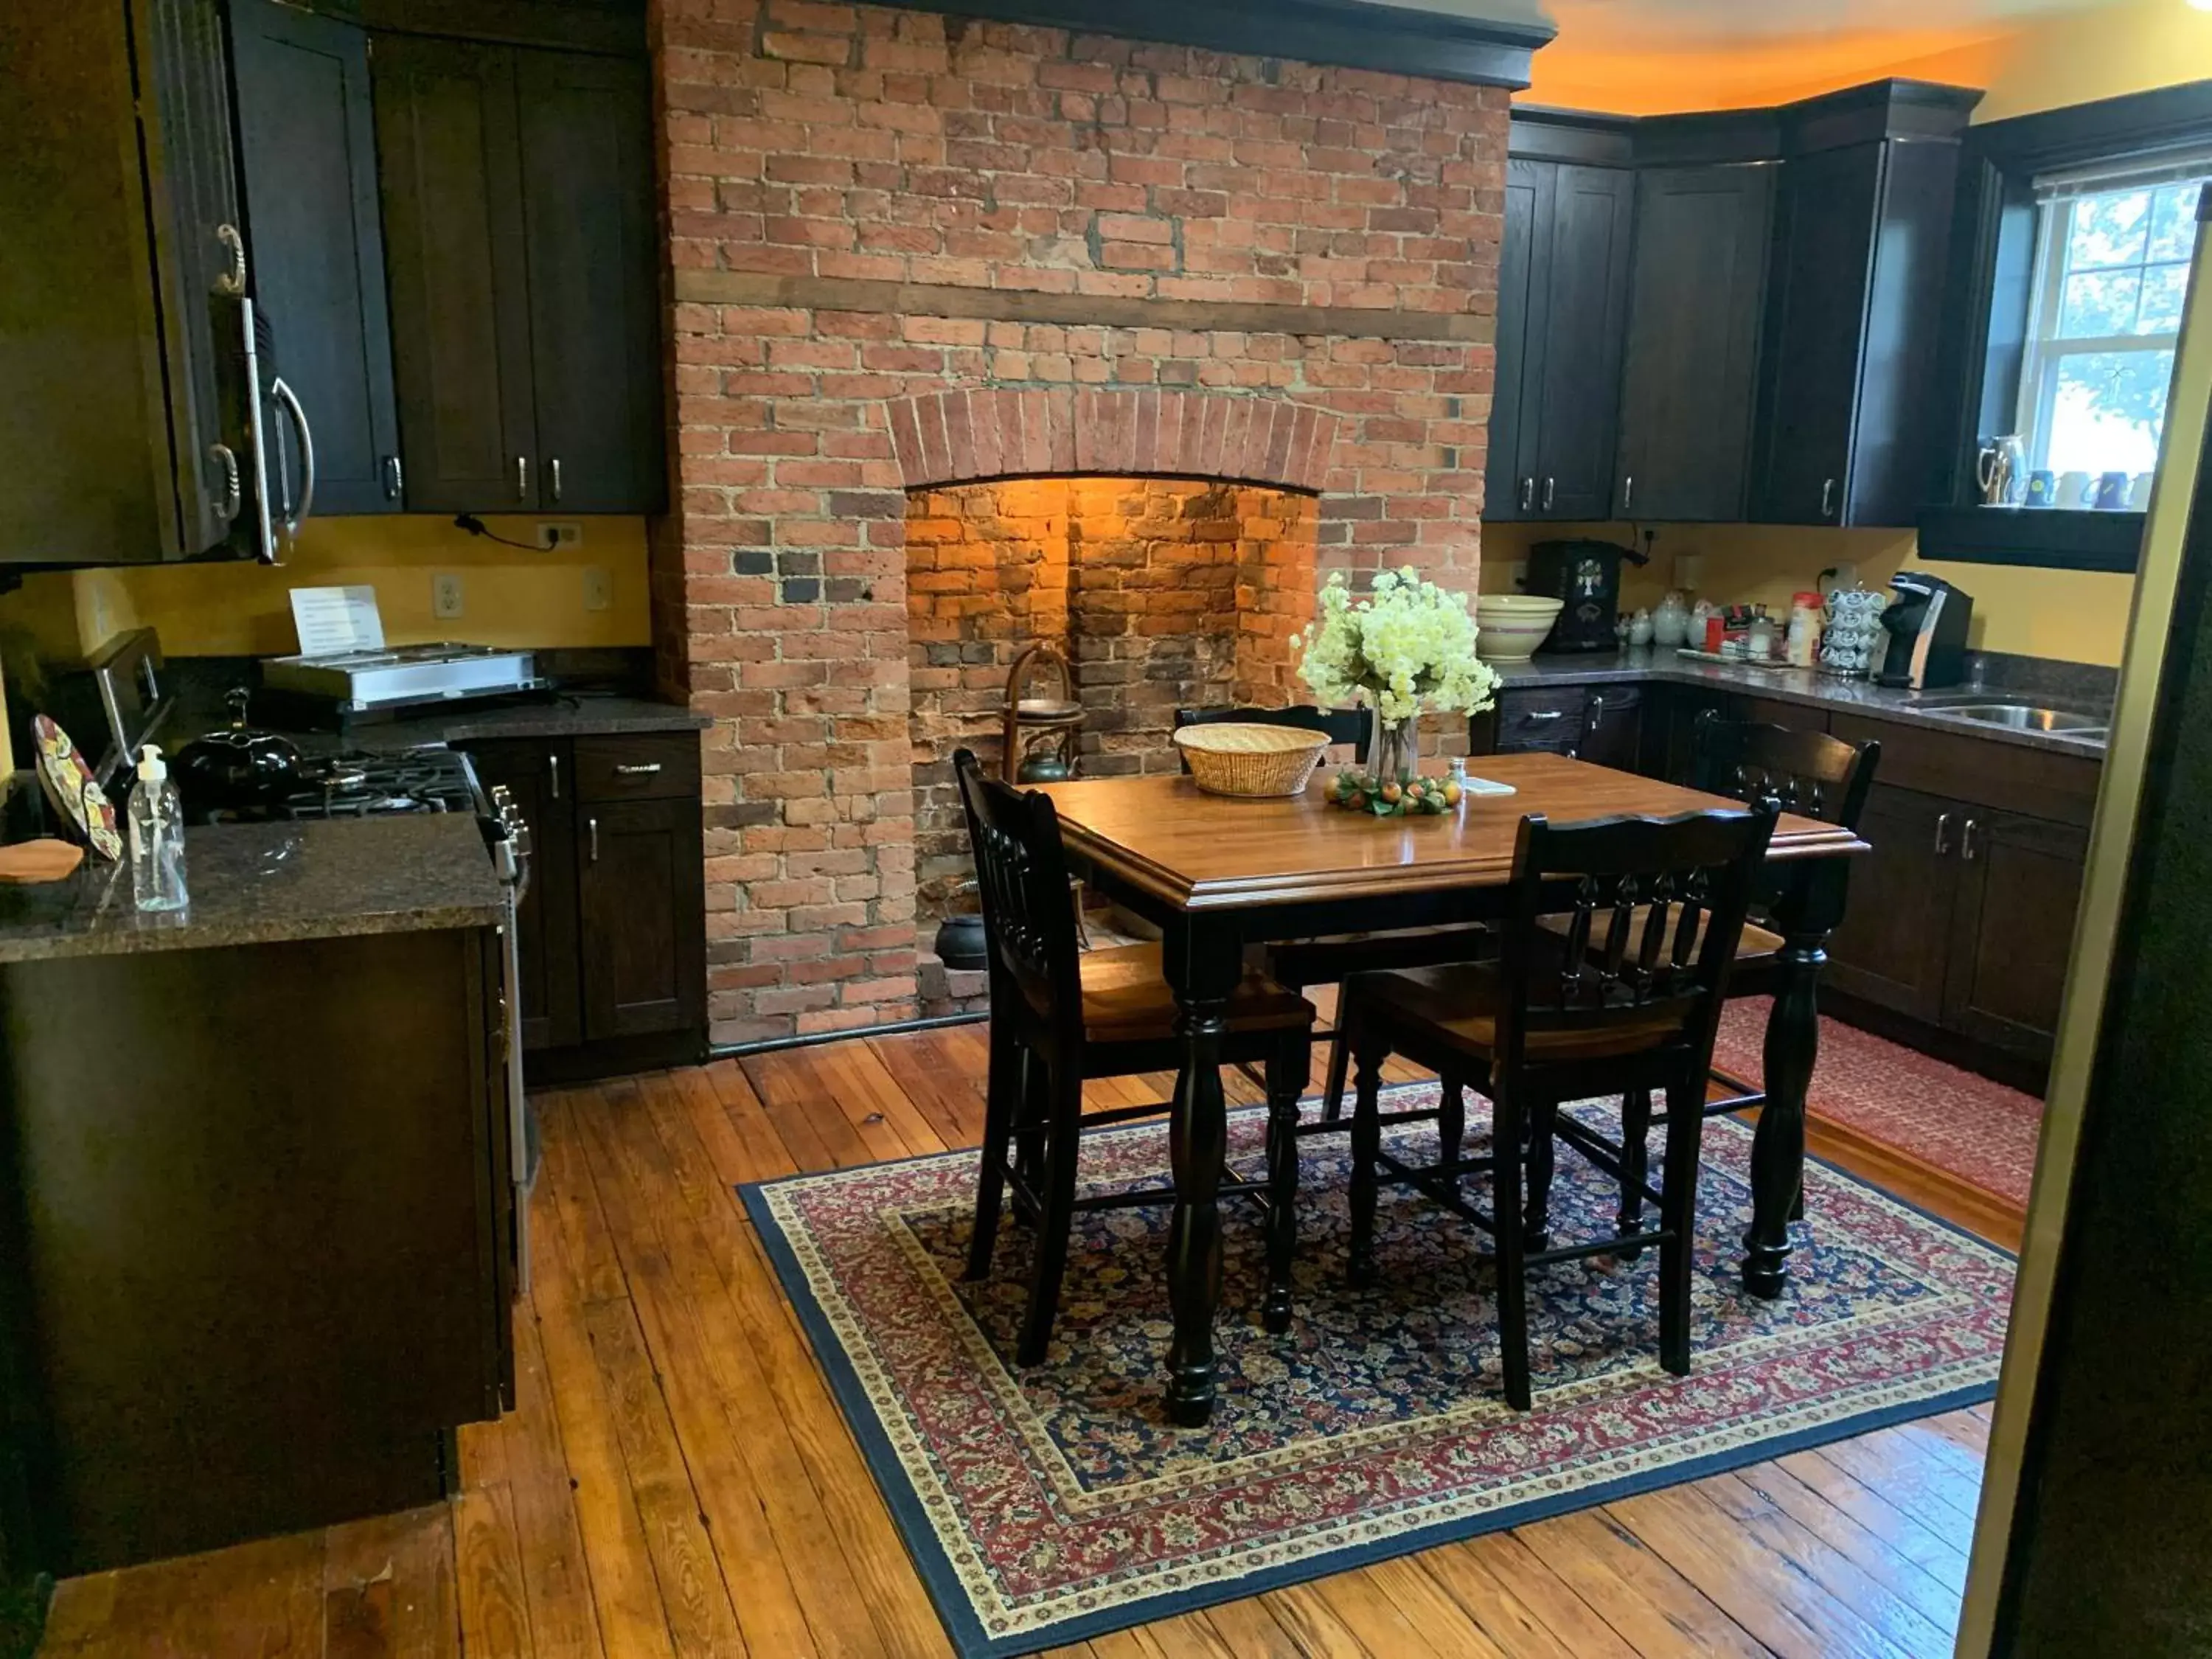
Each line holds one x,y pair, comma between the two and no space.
983,334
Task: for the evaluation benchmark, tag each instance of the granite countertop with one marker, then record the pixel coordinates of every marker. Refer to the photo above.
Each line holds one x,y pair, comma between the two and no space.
259,884
2066,685
567,714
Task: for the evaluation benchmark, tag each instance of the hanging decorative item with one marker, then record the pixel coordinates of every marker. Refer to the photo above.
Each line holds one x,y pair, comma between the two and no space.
1040,733
1407,648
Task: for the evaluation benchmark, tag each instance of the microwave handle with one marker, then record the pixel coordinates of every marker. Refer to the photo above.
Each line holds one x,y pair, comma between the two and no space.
290,401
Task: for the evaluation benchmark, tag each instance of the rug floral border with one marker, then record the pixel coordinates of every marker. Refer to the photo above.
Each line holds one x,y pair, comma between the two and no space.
983,1622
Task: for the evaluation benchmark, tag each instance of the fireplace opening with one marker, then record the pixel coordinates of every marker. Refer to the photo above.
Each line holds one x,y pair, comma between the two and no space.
1161,592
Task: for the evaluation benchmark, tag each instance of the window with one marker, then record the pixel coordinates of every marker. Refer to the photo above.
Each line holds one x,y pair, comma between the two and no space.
2112,269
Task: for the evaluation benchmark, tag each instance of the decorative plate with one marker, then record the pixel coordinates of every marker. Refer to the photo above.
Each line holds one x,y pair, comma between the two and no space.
70,787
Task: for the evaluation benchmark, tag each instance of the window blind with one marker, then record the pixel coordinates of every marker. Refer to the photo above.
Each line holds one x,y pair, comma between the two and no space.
2135,172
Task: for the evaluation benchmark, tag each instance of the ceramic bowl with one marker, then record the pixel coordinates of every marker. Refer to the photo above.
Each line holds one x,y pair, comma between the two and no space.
1510,625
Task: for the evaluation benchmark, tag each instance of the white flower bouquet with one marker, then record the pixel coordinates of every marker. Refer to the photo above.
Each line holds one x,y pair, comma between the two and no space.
1407,648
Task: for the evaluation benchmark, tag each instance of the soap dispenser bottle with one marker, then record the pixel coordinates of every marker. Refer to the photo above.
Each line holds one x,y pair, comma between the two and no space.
157,837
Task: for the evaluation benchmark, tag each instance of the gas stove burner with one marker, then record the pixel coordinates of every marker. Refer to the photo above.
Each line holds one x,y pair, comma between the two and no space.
360,784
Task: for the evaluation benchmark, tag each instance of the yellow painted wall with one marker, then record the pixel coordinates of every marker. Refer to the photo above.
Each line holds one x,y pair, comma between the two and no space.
2076,615
510,596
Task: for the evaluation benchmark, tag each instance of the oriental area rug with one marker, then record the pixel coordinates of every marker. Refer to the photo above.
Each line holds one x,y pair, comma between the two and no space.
1047,1505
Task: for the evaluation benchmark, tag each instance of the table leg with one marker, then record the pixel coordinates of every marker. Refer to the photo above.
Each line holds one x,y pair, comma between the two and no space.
1777,1147
1203,962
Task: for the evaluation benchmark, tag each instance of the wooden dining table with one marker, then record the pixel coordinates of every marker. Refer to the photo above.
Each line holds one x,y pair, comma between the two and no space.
1216,874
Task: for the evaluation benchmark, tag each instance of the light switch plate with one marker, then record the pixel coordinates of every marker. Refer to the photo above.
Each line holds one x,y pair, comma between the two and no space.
599,587
563,533
446,595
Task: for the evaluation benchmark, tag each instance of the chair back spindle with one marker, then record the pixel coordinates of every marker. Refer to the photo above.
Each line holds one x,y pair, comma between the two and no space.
1664,900
1029,924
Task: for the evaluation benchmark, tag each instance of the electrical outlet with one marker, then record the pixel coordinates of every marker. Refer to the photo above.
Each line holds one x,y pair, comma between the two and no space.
1516,575
599,587
446,595
1689,571
566,534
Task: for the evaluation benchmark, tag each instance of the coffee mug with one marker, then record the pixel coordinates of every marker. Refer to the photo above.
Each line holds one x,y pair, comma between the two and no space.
2110,492
2139,492
2073,489
2042,487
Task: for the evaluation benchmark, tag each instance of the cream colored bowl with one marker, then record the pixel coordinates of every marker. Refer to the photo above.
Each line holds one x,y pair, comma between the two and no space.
1510,625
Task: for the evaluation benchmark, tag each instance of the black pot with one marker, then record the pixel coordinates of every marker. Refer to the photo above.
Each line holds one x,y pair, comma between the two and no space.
236,769
960,942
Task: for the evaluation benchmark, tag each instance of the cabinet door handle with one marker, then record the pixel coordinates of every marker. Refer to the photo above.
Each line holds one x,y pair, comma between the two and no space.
554,471
639,770
1628,492
592,837
395,478
1527,493
232,283
1548,484
1966,840
1827,496
553,775
522,477
1942,835
1545,715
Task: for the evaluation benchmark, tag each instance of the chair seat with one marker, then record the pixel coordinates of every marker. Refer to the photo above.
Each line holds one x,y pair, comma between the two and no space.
1335,956
1126,998
1458,1004
1756,943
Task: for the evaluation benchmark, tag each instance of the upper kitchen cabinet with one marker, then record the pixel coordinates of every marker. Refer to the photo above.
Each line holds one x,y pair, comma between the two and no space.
1562,309
1693,332
517,192
1854,295
124,407
308,143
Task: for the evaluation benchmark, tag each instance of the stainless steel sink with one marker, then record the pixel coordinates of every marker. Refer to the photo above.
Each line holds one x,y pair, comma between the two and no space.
2028,717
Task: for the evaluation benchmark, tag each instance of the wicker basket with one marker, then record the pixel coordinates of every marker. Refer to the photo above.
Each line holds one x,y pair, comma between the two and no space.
1232,759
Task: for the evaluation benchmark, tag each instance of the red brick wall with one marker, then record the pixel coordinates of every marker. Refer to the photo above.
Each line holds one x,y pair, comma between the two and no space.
818,156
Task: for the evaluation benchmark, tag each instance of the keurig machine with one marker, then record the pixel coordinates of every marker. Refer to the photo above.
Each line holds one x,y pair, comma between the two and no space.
1927,628
1586,577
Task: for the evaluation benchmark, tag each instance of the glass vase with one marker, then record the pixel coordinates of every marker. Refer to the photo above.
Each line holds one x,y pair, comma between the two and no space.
1394,751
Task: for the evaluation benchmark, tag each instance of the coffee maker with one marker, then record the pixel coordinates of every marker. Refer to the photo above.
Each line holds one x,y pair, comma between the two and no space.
1586,576
1927,628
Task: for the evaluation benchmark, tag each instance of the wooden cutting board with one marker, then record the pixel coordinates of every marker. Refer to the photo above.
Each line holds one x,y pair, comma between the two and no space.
44,859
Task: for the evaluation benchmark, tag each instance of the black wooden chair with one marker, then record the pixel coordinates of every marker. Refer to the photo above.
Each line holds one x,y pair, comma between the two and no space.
1298,963
1809,773
1060,1016
1627,1000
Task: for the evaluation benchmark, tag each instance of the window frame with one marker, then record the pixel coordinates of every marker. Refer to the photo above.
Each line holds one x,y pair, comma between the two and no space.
1990,318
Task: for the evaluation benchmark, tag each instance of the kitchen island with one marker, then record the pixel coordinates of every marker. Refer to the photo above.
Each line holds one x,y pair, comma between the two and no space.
257,1184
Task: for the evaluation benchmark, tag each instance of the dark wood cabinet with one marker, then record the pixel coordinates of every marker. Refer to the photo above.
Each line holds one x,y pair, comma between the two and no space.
540,778
638,886
1846,418
1562,314
590,234
517,193
1689,384
1894,947
450,171
613,929
123,402
2019,885
307,147
1602,724
1961,916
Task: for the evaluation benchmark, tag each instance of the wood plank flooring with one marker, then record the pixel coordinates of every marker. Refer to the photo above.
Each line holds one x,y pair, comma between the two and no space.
676,1480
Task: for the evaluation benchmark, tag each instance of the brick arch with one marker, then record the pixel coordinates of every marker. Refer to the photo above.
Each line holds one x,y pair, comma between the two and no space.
956,437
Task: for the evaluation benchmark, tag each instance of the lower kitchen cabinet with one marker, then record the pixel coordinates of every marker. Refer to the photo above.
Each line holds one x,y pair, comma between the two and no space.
613,926
1600,724
1893,949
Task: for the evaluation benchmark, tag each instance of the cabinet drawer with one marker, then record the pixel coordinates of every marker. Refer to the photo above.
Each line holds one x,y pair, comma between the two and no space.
657,766
1541,715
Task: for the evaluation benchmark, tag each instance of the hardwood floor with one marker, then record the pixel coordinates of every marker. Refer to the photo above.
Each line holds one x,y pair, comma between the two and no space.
677,1481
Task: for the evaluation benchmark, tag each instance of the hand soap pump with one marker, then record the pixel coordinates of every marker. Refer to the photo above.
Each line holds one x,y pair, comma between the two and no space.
157,837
